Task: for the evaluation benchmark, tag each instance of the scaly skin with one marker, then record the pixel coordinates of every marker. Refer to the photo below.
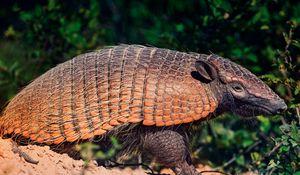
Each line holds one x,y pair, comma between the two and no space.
95,92
132,85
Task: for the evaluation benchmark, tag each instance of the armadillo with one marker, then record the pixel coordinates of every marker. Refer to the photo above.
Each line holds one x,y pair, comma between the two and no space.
97,92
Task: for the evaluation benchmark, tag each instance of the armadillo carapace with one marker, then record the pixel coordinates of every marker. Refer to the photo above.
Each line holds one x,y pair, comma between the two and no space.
147,87
95,92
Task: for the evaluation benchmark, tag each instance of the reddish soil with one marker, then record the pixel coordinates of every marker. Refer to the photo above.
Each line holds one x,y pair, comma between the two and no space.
54,163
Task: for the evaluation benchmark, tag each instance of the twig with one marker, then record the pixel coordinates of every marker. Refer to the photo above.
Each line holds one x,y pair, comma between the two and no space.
287,59
3,69
117,164
209,8
274,149
289,41
214,171
212,131
226,163
282,70
253,146
230,161
298,113
271,172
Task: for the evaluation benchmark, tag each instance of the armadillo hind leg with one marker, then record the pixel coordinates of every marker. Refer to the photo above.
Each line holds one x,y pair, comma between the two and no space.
170,148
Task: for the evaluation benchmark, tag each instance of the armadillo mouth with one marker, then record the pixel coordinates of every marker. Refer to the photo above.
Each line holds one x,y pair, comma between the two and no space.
265,111
253,110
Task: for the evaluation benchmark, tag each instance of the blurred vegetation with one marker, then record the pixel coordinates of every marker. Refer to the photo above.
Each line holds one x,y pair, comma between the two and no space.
90,151
263,36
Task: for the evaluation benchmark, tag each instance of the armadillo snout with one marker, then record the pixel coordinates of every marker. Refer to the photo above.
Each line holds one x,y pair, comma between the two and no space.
279,107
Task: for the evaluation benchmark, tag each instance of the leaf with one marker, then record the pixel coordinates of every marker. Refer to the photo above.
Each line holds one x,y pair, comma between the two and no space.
2,64
179,27
297,173
272,164
293,142
247,142
115,143
295,132
264,27
286,37
26,16
100,155
262,15
255,156
205,20
252,57
52,5
265,124
297,89
285,128
296,43
240,160
284,148
271,78
10,32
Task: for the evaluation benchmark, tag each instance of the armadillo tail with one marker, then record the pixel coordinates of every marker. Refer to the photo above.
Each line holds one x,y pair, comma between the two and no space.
2,120
2,130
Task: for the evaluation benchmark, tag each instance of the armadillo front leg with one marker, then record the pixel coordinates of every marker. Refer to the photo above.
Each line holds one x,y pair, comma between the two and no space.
170,148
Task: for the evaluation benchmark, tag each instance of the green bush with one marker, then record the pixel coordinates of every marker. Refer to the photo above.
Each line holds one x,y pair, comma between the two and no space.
261,35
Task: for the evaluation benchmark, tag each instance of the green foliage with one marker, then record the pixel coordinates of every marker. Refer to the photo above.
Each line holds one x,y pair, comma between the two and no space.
261,35
90,151
273,146
13,70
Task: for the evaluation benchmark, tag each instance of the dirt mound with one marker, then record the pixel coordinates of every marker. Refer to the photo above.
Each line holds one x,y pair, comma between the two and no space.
52,163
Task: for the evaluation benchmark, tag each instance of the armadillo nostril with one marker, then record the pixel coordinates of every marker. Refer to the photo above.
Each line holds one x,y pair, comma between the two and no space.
282,109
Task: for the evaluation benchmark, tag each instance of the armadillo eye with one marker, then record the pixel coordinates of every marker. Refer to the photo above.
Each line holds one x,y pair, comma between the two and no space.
237,88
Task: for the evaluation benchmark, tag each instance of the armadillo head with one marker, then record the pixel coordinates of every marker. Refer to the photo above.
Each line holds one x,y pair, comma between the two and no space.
237,89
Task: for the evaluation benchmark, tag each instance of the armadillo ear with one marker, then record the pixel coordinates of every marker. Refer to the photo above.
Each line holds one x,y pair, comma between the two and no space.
206,70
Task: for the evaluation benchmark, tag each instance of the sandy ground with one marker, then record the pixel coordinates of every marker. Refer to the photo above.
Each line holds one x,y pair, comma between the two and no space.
52,163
